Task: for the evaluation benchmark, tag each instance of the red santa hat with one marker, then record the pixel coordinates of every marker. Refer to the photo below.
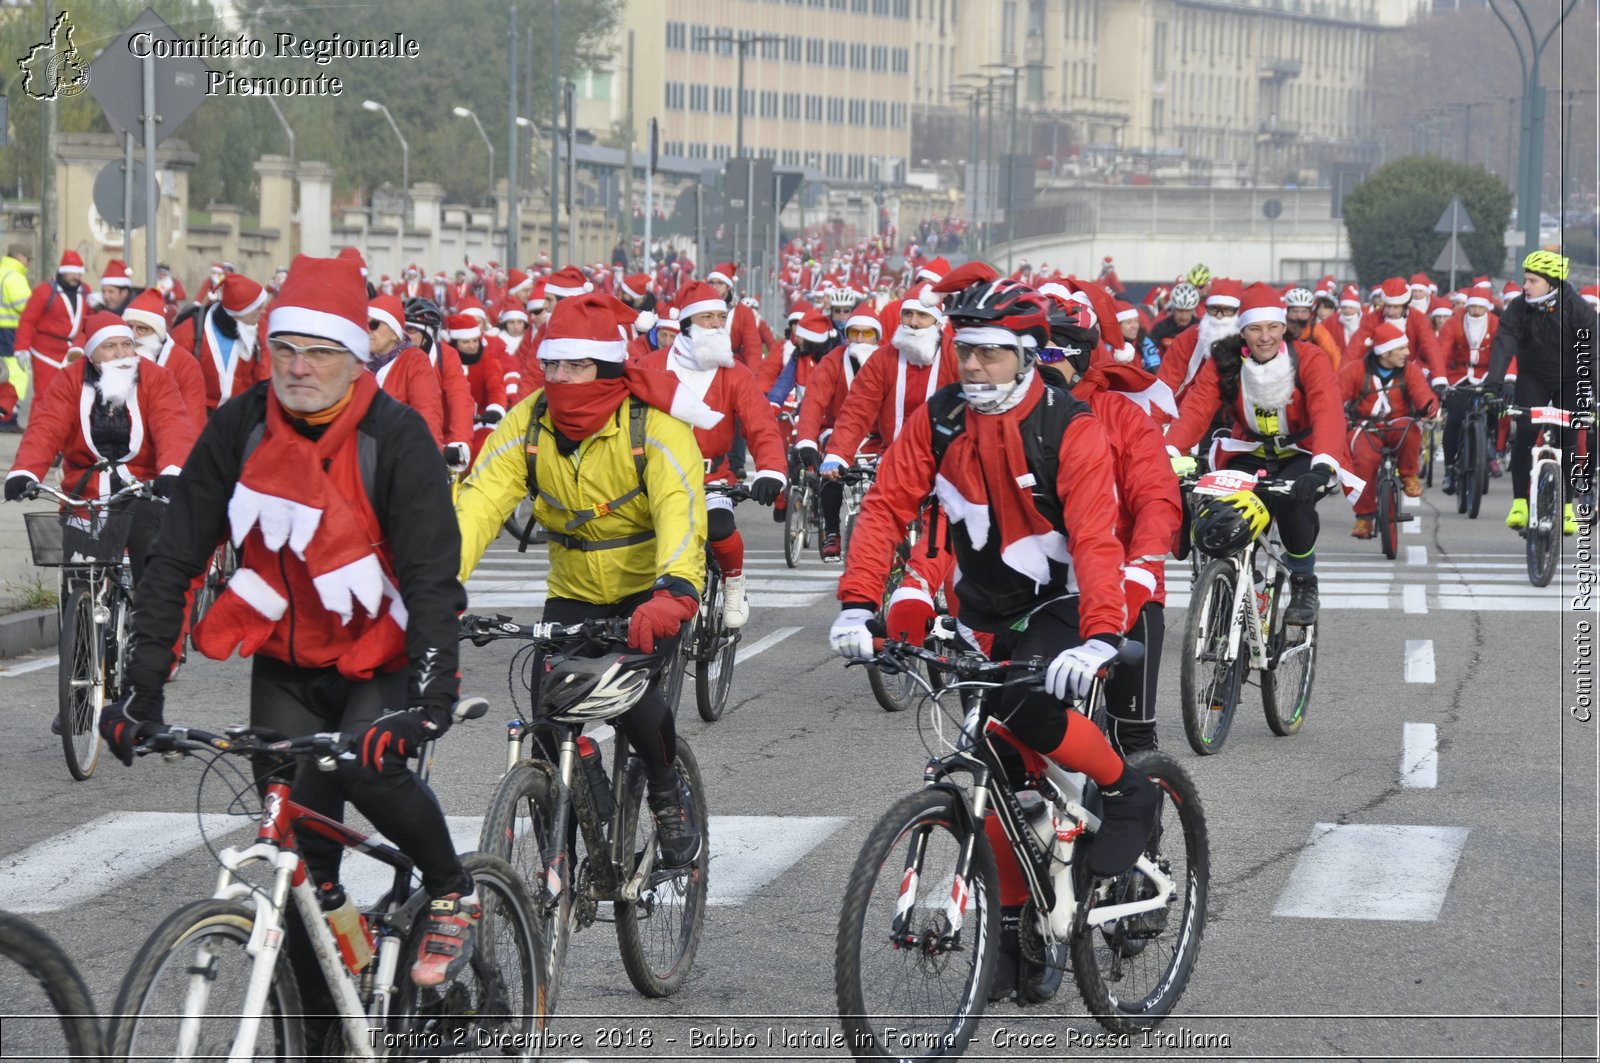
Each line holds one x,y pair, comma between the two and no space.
1126,312
323,297
934,271
412,268
1440,307
344,252
1591,293
1261,303
925,299
1225,291
1350,296
511,309
100,326
536,297
115,274
71,262
589,325
567,282
799,310
464,326
635,285
1396,292
146,309
471,305
1420,280
698,297
864,316
1386,337
724,272
814,327
965,276
1326,287
669,321
391,311
241,295
516,281
1511,291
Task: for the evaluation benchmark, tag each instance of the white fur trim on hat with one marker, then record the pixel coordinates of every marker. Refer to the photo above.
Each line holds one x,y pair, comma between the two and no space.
512,312
145,317
1222,300
865,319
813,337
565,293
375,314
718,275
1262,313
1480,300
474,333
255,304
304,321
701,307
106,333
574,348
1389,345
1396,300
115,282
1129,314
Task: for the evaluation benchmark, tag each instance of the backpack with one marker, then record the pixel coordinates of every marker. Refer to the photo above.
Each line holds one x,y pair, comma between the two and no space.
637,411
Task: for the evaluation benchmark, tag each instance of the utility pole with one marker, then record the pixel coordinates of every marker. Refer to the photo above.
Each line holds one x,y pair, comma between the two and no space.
47,169
743,44
1011,170
1533,111
513,159
569,93
555,134
627,161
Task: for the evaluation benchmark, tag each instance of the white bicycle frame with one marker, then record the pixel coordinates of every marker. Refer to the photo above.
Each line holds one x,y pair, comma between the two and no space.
1545,454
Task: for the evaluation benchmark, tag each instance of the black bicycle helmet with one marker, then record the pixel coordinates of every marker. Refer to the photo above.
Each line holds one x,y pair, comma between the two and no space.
1227,524
424,312
1073,331
1006,304
577,689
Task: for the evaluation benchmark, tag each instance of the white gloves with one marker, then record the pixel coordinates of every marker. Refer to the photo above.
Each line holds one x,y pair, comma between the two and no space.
1073,670
849,637
457,456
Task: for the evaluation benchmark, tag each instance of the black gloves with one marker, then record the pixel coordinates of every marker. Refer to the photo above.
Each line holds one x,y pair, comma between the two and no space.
808,456
130,720
397,736
1508,392
164,486
490,417
17,487
1308,487
766,489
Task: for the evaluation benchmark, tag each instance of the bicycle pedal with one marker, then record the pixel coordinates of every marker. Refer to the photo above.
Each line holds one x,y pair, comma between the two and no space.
1403,517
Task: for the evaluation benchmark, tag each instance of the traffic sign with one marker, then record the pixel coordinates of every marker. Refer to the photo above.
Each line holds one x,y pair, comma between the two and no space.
1453,257
117,81
1271,208
109,190
1454,220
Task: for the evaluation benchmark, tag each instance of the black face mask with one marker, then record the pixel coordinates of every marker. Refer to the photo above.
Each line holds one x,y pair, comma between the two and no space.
470,359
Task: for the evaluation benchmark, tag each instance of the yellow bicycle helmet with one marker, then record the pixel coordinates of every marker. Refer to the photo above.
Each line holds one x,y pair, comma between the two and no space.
1227,524
1547,264
1199,275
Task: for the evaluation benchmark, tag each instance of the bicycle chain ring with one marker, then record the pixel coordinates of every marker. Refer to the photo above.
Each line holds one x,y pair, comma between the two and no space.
585,905
1030,939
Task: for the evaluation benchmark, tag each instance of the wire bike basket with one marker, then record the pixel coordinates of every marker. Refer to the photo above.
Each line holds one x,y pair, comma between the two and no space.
78,537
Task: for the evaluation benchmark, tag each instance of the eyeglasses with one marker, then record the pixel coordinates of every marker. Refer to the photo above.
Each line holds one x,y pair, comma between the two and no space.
315,354
860,335
577,365
988,353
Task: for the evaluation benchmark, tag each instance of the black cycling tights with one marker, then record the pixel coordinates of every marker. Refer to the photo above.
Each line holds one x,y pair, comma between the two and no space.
832,503
648,725
1297,521
1033,715
1131,691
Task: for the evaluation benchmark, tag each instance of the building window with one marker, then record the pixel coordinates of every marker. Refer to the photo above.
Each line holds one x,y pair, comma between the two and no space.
699,97
674,95
791,106
677,36
699,39
749,104
721,151
815,51
836,110
902,9
858,112
769,104
856,168
836,53
722,99
793,49
813,108
835,165
1158,50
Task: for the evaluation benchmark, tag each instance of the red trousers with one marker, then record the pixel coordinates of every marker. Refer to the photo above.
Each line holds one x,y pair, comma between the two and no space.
1366,451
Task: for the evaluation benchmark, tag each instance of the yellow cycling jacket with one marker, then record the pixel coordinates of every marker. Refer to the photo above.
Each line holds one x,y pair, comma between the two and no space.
673,503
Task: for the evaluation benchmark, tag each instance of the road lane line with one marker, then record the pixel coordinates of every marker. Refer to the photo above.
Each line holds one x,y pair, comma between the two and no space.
1415,596
1414,525
1407,502
1373,871
24,667
747,852
766,642
1419,763
1419,661
1416,555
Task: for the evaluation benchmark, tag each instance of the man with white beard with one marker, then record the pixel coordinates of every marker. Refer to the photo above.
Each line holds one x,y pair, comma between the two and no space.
146,318
1342,325
111,416
702,358
1288,421
1189,350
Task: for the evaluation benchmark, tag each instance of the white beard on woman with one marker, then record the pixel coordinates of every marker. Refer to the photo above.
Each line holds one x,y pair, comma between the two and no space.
118,380
1267,384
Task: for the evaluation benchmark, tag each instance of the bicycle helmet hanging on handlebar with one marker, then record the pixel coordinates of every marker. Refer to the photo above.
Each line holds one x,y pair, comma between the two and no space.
579,689
1228,524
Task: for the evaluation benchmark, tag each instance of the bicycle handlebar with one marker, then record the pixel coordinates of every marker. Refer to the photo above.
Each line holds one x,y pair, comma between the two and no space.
1268,485
737,492
134,489
246,741
891,653
482,630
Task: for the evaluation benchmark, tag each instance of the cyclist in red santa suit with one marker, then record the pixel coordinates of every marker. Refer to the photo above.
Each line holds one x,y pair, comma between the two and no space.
702,358
827,373
1390,387
1187,352
1464,346
402,370
146,316
485,377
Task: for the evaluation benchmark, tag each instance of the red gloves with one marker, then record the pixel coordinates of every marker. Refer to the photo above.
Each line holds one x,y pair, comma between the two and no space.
1141,581
659,618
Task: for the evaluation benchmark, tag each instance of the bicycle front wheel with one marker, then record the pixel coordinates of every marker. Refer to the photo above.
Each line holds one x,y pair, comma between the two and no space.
1477,466
185,993
495,1008
713,678
1132,971
908,992
55,1016
1210,678
794,524
658,934
1544,524
1286,684
1389,516
81,682
897,692
516,829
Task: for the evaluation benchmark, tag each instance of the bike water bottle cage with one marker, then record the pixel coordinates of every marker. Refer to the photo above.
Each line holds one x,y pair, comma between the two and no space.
1228,524
636,415
581,689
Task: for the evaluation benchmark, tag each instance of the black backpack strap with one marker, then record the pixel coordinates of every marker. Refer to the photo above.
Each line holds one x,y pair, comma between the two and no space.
637,412
947,408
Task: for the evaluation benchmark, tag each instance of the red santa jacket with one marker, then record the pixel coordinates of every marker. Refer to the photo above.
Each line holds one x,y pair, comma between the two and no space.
827,386
1459,358
1180,363
459,413
409,378
744,330
1313,417
885,394
1085,482
418,289
50,321
731,391
486,381
1366,395
191,382
1333,325
1419,337
224,380
162,432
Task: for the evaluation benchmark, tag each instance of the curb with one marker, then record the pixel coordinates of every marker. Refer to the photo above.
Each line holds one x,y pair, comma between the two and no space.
32,630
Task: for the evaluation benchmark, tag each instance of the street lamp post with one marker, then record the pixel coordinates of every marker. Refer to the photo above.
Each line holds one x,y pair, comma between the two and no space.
463,112
1532,141
405,158
287,131
742,43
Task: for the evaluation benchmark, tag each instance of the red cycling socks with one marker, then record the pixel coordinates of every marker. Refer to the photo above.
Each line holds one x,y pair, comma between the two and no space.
1085,749
729,553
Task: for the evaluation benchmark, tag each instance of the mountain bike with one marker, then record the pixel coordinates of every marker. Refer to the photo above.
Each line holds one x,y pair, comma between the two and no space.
1432,437
53,1013
224,560
1546,490
1386,486
87,540
920,921
857,480
897,690
580,838
1235,624
709,642
213,980
802,518
1471,466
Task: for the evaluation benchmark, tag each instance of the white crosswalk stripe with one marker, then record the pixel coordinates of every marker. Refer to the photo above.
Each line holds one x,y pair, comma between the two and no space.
1443,583
747,853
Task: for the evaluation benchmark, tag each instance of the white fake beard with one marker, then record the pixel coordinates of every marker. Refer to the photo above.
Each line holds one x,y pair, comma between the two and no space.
1475,328
997,398
919,345
1350,321
150,347
118,380
1213,329
1268,384
860,352
246,343
705,349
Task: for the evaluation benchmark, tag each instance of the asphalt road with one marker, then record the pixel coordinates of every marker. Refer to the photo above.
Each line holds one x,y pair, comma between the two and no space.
1356,911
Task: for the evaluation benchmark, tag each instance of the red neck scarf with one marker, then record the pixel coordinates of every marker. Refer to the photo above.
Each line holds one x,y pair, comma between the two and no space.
985,476
580,410
1139,385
